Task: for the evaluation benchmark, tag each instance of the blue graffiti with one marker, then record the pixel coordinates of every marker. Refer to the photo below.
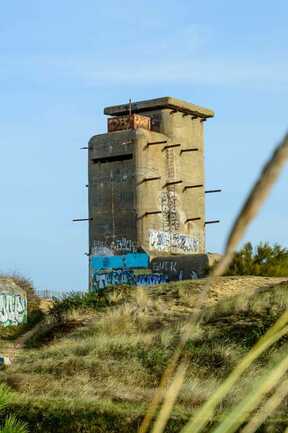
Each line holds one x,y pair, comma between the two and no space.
151,279
101,280
126,261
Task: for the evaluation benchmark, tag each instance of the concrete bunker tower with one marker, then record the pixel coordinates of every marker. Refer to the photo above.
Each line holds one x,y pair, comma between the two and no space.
147,186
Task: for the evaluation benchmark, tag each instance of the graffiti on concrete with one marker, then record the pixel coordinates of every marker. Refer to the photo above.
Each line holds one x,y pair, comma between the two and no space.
170,220
101,280
194,275
164,266
170,163
13,309
150,279
165,241
174,270
120,270
114,247
126,261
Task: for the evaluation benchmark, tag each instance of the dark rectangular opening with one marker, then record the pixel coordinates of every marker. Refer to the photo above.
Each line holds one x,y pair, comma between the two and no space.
114,158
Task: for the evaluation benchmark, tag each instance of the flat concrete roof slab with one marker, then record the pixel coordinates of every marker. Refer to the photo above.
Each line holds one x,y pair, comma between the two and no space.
158,104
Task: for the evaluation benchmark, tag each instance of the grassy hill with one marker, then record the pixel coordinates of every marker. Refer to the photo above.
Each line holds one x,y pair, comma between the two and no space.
96,367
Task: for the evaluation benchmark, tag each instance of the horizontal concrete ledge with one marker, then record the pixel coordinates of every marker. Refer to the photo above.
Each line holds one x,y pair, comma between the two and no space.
158,104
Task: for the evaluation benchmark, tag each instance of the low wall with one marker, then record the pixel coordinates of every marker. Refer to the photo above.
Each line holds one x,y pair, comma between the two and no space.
181,267
140,269
13,303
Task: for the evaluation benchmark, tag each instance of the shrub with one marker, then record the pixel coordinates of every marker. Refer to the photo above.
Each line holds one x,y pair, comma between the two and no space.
75,301
264,260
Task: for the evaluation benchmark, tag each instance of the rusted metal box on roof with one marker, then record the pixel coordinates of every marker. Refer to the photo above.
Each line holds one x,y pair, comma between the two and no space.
134,121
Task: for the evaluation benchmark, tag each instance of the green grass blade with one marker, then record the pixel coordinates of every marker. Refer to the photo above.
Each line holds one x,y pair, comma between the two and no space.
204,414
267,409
241,411
170,399
12,425
5,396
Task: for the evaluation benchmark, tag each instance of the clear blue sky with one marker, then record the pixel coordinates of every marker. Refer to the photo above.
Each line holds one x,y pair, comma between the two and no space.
63,61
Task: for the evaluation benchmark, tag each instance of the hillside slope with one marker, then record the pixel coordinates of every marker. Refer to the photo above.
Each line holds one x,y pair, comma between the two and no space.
97,371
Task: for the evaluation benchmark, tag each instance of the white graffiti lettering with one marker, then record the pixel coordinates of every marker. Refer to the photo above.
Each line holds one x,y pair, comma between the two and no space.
102,280
13,309
165,241
109,248
170,219
165,266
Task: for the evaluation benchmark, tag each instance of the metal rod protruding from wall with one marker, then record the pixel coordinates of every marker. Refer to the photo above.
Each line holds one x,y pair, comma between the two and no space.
212,222
82,219
212,190
192,219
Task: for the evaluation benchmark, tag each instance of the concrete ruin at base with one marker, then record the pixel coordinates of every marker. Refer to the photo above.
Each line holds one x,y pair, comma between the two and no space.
13,303
147,194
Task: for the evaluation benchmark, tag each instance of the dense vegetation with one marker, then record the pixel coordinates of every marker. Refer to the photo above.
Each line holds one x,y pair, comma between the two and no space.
97,359
265,260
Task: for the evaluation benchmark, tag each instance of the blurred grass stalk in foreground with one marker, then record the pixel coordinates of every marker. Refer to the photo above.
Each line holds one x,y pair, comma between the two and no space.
251,207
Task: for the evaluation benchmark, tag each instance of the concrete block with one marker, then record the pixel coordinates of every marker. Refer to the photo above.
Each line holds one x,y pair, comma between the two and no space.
13,303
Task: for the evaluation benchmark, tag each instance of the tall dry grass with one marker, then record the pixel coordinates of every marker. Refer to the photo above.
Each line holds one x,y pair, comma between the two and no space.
174,374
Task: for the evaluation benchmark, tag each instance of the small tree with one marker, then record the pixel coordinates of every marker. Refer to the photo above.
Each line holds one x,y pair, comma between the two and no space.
11,424
264,260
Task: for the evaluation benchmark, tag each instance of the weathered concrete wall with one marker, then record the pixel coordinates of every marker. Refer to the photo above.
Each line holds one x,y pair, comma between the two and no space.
111,192
130,269
181,267
13,303
170,202
147,187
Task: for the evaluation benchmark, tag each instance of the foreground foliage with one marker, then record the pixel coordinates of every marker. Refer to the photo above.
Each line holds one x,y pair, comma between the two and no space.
105,356
10,423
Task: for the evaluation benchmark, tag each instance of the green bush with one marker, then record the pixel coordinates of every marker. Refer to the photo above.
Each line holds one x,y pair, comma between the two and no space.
263,260
75,301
